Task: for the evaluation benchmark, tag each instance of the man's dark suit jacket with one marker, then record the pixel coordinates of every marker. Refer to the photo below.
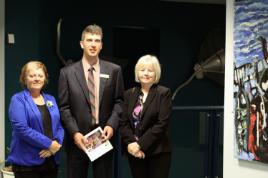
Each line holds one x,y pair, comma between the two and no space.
74,99
154,120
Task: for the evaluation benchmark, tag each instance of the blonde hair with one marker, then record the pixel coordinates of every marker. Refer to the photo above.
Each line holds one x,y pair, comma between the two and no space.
25,70
145,60
93,29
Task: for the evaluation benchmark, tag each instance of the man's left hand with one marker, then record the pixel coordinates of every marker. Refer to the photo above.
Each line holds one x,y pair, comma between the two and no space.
108,132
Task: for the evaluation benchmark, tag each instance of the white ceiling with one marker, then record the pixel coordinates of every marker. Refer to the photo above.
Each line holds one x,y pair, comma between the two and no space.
200,1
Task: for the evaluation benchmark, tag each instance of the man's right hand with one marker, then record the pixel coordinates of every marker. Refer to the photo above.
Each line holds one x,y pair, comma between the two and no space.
80,141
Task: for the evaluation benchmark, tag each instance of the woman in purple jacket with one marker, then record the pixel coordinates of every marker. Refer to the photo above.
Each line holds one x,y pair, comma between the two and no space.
37,133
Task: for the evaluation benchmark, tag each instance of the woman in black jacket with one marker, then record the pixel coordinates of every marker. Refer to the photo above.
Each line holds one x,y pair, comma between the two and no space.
145,120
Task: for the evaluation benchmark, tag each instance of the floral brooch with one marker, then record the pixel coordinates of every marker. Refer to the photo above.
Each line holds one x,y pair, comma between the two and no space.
49,103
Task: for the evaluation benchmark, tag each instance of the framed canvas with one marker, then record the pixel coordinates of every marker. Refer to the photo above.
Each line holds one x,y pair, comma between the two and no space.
251,79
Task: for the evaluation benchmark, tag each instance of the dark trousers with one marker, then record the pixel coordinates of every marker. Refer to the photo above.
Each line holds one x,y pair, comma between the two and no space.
48,169
156,166
78,163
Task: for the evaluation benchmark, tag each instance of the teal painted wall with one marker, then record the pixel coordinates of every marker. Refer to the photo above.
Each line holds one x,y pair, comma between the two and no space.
183,27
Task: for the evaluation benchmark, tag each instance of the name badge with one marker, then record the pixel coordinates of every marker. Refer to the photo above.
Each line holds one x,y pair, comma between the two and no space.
104,76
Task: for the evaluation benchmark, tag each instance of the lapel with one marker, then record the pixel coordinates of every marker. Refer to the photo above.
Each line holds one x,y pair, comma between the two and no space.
49,108
149,99
33,107
103,70
133,97
80,76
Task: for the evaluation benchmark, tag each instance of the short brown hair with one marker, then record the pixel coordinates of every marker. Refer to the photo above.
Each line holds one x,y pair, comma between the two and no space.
93,29
25,69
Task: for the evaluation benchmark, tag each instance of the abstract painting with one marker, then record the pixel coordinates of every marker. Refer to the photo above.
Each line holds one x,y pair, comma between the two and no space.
251,79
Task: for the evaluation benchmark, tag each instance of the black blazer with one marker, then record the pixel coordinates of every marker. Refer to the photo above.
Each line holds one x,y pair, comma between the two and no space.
154,120
74,102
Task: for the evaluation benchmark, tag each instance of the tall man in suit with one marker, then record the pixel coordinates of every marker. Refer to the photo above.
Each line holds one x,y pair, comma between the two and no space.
83,108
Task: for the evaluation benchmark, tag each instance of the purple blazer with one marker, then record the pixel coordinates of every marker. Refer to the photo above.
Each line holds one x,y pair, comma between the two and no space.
28,137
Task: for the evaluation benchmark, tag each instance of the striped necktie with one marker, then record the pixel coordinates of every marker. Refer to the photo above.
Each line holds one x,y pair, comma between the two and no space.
91,88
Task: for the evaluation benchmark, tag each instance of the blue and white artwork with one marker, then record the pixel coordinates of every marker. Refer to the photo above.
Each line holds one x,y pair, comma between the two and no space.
251,79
